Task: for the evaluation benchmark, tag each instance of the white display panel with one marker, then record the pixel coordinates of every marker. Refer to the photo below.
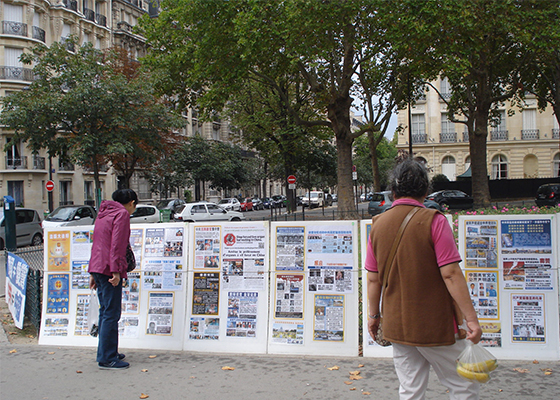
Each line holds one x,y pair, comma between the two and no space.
314,288
227,302
153,296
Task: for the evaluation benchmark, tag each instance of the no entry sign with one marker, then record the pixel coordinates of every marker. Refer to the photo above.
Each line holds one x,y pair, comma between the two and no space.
49,186
291,179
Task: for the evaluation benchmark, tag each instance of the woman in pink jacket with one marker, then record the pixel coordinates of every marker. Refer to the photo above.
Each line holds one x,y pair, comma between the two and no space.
107,267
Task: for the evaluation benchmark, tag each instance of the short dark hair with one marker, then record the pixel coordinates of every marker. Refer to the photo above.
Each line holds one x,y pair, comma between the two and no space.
125,196
410,179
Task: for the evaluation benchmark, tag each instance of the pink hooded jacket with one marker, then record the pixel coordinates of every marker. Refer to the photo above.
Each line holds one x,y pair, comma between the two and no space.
111,235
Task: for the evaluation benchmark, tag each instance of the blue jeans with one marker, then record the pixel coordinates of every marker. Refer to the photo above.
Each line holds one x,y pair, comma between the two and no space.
110,298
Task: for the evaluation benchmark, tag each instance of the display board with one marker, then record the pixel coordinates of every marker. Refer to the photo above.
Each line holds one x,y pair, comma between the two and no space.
153,305
314,288
511,268
227,303
16,287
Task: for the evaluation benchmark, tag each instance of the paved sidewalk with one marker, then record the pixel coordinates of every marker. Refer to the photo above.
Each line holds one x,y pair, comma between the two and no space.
30,371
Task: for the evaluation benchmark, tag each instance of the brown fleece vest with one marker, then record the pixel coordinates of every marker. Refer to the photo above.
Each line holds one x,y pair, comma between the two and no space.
417,307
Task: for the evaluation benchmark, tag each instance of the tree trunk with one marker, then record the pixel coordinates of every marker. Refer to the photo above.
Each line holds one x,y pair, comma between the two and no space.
477,146
95,166
374,162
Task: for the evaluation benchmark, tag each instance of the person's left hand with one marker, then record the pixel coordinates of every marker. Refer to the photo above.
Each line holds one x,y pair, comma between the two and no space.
115,279
373,326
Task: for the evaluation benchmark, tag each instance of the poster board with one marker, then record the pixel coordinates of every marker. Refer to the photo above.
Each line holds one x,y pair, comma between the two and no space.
227,302
511,267
153,296
16,287
314,288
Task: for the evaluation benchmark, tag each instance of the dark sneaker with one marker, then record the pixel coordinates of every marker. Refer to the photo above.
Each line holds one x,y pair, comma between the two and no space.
121,356
114,365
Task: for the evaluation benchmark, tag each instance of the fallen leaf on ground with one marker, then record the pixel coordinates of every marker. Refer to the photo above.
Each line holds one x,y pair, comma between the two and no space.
13,351
228,368
353,388
143,370
334,368
143,396
50,352
356,377
355,372
31,336
78,372
521,370
152,356
348,382
535,361
361,366
366,393
13,333
501,390
546,369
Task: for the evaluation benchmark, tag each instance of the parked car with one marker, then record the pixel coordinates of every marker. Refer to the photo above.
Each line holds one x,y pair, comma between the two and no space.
70,216
334,197
247,204
278,201
381,201
257,204
230,204
145,213
171,204
317,199
328,200
452,199
28,228
548,195
267,202
204,211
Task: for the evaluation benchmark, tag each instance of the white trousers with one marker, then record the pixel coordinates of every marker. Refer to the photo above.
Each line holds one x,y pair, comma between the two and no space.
413,369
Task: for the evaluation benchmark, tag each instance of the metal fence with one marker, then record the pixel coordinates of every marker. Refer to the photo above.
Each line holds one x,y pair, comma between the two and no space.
33,256
313,215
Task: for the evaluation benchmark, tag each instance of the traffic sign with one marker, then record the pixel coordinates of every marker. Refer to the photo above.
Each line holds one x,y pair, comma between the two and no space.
49,186
291,179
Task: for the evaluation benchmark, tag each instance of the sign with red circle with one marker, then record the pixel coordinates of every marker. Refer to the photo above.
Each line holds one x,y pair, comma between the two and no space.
291,179
49,186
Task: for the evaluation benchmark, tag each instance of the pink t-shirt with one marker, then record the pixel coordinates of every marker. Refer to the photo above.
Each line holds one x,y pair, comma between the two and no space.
442,236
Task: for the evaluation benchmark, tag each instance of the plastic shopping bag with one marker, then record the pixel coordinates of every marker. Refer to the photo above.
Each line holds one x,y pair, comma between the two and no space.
475,363
93,314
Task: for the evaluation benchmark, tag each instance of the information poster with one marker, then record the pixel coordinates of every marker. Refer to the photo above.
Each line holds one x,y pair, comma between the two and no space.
528,318
483,288
481,244
329,317
16,286
242,314
206,253
58,245
287,332
290,248
160,313
206,293
58,293
289,296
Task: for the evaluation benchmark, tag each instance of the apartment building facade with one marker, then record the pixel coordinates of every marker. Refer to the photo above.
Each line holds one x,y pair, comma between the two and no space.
525,144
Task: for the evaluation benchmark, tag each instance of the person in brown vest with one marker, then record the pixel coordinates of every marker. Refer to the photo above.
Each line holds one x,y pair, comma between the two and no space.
425,296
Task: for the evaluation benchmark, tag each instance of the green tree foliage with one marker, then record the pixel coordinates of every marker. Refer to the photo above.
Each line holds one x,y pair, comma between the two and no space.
386,152
82,107
207,50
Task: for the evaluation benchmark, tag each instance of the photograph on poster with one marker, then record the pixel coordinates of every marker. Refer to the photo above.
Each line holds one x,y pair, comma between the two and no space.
242,314
131,293
491,334
481,240
154,243
58,293
289,248
80,276
287,332
55,327
201,328
528,318
289,296
206,293
128,327
160,313
82,308
207,247
58,244
329,241
329,278
328,321
136,241
483,289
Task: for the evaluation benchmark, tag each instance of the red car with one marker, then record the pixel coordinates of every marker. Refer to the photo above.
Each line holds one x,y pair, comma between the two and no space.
247,204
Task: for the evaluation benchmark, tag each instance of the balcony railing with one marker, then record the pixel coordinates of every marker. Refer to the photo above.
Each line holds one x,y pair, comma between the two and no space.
498,135
419,138
556,134
38,162
446,95
39,34
101,19
71,4
14,28
137,3
448,137
16,73
529,134
16,162
466,137
65,166
89,14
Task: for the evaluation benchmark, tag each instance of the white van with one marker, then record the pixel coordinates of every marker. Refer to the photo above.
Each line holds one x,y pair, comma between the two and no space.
317,199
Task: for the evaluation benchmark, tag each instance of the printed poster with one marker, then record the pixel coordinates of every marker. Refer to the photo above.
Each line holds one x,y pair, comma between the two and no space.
328,321
128,326
58,292
59,251
206,293
80,275
16,287
131,293
289,296
491,334
82,309
481,244
528,318
287,332
207,246
81,244
242,314
203,328
160,313
290,248
483,288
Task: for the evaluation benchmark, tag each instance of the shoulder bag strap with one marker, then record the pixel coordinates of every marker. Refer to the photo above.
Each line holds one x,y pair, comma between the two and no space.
398,238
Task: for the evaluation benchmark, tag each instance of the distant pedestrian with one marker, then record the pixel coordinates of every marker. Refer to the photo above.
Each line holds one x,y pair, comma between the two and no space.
419,316
107,267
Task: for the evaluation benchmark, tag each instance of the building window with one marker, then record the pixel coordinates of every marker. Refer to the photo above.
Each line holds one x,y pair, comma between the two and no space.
15,189
66,193
499,167
467,163
89,198
418,125
448,167
445,88
556,165
529,131
448,134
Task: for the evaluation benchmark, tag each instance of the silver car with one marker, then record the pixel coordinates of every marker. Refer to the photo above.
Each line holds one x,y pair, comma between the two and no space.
70,216
145,213
28,228
203,212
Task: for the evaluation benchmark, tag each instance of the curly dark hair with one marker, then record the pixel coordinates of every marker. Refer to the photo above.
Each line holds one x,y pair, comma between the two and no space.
125,196
410,179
